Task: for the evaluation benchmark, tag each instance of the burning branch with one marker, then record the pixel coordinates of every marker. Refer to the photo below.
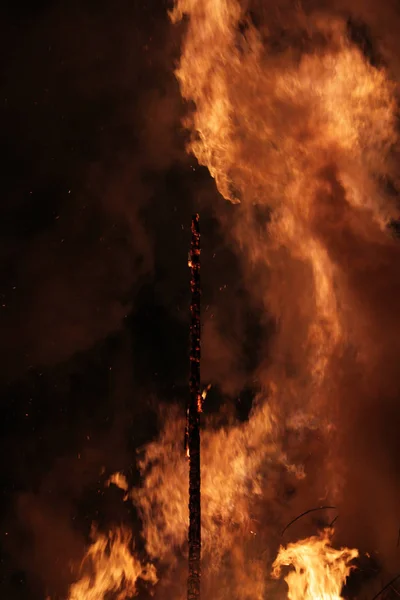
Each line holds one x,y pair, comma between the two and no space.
193,419
307,512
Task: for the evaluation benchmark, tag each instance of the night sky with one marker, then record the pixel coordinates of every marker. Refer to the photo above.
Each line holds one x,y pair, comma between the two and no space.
97,197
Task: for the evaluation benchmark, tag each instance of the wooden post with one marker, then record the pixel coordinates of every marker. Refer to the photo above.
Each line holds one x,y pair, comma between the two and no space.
193,419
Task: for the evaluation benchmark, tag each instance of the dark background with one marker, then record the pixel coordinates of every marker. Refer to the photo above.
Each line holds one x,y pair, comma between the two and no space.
97,193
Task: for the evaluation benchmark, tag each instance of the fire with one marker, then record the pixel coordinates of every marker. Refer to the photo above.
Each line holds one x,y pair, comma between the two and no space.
110,567
203,396
280,128
337,106
319,572
119,480
239,463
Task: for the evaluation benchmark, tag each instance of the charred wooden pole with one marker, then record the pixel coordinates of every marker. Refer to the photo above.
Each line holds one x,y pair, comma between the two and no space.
193,419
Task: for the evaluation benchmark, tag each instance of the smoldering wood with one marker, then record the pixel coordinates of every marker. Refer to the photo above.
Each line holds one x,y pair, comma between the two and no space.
193,420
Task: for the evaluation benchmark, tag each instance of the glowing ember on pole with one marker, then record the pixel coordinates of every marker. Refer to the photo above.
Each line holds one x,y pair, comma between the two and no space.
193,419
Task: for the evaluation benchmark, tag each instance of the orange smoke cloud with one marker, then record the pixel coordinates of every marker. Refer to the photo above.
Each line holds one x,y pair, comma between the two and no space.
268,124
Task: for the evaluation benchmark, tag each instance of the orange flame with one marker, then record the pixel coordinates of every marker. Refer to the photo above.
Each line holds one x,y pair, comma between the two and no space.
119,480
267,124
235,459
319,572
109,566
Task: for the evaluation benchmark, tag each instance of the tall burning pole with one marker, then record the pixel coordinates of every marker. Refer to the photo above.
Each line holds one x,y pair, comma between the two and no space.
193,419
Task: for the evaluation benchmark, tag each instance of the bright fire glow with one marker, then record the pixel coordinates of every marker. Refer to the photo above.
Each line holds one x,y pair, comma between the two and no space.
108,567
119,480
319,571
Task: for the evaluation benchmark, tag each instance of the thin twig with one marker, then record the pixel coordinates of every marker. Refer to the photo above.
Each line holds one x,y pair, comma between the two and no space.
310,510
396,591
333,522
385,587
